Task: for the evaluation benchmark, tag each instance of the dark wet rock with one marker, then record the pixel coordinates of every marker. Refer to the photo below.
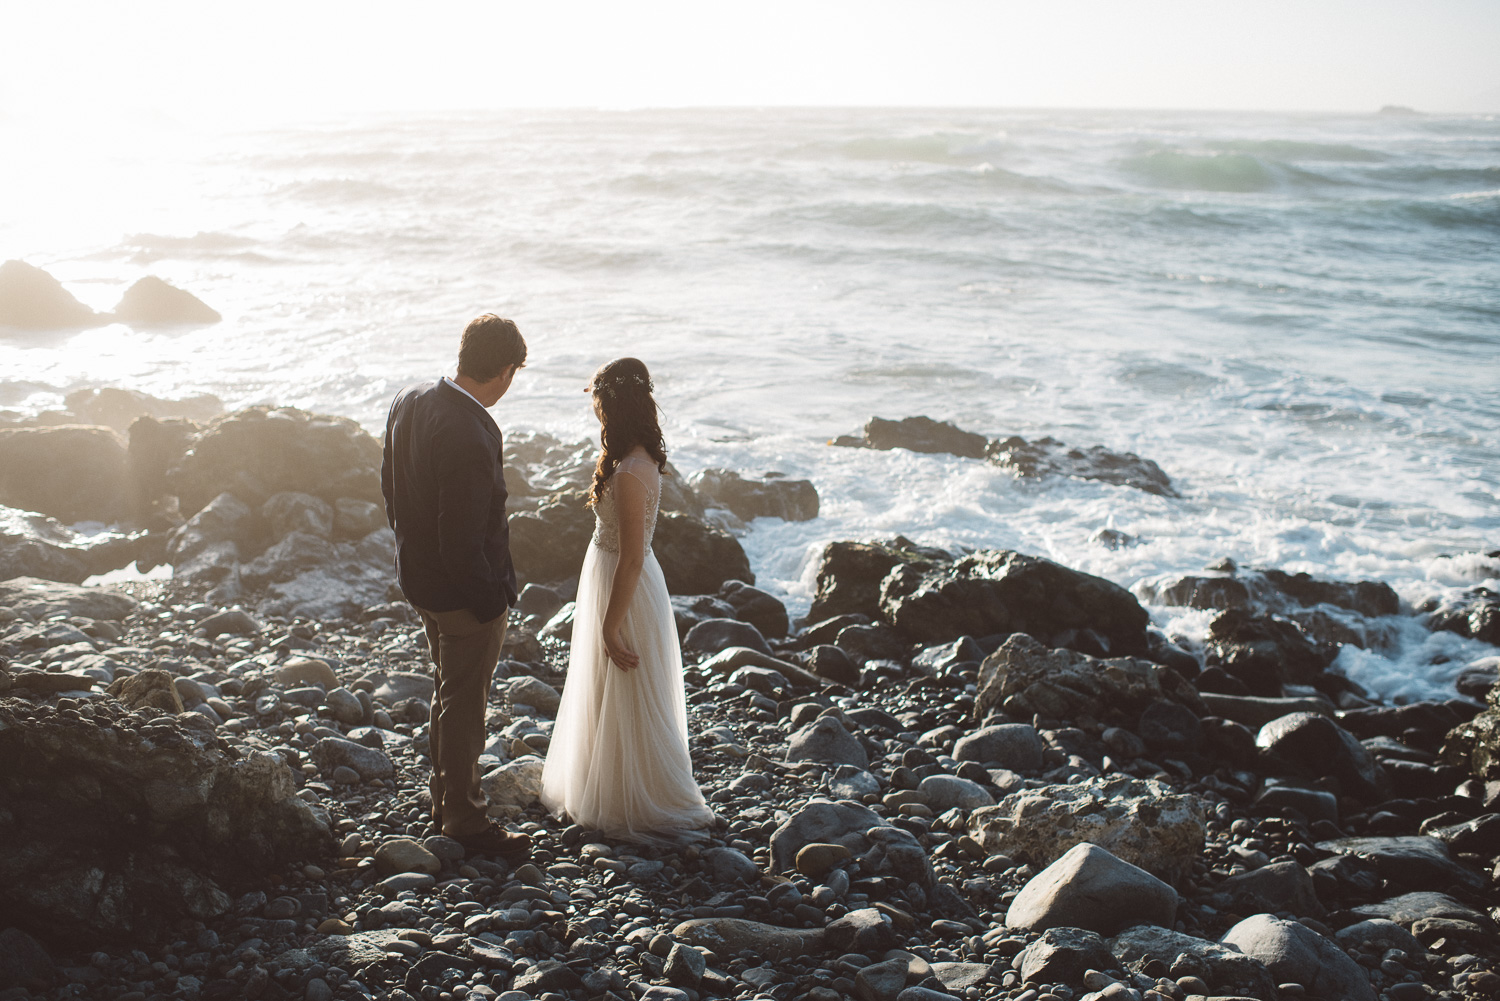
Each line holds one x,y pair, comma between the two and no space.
1381,933
1023,677
1257,710
827,741
262,451
726,936
1295,953
1473,746
152,301
850,574
31,299
733,658
881,981
1219,963
1476,680
1088,887
1430,720
124,824
1063,955
762,610
998,591
1050,457
1275,590
24,961
548,543
873,642
1139,821
1265,651
1479,836
71,472
1314,745
1314,804
918,434
1015,746
1416,862
697,558
1280,886
943,659
1475,613
1170,727
690,609
828,661
771,496
712,636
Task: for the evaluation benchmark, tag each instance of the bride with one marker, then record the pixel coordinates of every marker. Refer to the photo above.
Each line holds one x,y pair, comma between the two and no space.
618,759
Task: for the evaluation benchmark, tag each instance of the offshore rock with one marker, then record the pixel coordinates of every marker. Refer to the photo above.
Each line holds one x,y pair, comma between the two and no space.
1138,820
1025,677
769,497
1090,888
261,451
152,301
1050,457
998,591
1295,953
918,434
122,823
849,574
71,472
31,299
1274,590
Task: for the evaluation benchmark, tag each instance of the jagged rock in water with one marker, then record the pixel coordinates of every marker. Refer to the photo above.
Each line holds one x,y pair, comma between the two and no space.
1265,651
1274,590
71,472
1475,614
124,823
770,496
1050,457
850,573
151,301
34,545
918,434
261,451
120,408
1138,820
31,299
998,591
1025,677
1474,747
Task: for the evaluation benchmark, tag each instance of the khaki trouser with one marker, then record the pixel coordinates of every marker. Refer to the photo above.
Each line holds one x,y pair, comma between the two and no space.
464,653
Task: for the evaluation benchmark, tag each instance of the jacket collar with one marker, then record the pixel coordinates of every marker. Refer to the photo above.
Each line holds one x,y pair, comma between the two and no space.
456,396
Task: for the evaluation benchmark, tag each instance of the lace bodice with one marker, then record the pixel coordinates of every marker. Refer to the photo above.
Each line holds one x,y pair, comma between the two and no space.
607,512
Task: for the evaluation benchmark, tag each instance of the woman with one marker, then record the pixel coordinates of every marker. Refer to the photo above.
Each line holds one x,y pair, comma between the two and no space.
618,761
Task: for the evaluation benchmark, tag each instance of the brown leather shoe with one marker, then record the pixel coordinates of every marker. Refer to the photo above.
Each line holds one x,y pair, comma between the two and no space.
495,840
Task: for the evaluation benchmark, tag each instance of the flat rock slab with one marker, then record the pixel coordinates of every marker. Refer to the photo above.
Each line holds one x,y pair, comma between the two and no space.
352,952
726,936
1415,861
1410,907
45,598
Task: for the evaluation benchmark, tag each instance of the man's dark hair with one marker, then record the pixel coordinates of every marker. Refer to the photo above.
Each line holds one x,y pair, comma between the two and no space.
491,344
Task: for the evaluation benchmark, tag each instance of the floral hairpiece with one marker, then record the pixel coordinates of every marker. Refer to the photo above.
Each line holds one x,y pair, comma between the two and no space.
611,385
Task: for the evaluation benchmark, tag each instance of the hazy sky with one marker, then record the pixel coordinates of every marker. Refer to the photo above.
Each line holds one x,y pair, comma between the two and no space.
274,59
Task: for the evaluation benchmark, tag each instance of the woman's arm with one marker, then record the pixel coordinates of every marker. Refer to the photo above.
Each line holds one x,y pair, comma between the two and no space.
630,504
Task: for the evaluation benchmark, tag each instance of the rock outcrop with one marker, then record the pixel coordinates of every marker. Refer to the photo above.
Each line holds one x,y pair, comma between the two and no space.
770,496
71,472
31,299
153,302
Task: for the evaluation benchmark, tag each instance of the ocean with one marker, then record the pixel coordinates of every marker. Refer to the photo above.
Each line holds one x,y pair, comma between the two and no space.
1296,316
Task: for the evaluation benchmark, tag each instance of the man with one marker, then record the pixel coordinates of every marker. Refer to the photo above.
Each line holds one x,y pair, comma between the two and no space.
445,499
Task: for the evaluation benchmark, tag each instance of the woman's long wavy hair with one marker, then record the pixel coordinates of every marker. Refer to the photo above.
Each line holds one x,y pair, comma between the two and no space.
628,417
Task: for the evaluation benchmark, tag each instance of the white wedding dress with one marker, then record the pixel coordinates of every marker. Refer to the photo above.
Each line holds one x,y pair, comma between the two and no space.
618,760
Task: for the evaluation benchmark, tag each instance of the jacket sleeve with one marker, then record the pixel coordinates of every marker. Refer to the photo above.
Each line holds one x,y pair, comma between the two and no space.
388,470
466,486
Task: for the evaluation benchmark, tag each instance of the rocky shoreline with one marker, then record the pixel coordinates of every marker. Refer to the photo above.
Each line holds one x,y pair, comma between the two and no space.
973,776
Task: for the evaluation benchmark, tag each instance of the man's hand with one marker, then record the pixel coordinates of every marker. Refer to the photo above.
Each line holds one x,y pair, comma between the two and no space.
623,657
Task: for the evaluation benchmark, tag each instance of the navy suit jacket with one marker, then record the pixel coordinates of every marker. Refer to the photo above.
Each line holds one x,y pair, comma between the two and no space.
444,489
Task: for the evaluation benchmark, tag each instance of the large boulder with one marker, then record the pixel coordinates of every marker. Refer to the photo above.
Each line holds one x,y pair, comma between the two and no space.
1273,590
1050,457
822,821
1314,745
121,408
761,609
157,446
42,599
771,496
152,301
1220,965
548,543
1090,888
1475,613
849,575
998,591
121,824
1016,746
1265,651
825,740
71,472
1063,956
1024,677
31,299
1294,953
262,451
1138,820
697,558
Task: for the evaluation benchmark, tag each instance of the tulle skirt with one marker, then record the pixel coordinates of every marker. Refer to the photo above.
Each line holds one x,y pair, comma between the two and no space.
618,760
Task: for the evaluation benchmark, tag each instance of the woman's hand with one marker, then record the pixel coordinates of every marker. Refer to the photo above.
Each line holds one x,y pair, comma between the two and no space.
623,657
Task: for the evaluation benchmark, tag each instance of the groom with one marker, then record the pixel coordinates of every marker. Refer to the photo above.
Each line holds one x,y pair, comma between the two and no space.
445,499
